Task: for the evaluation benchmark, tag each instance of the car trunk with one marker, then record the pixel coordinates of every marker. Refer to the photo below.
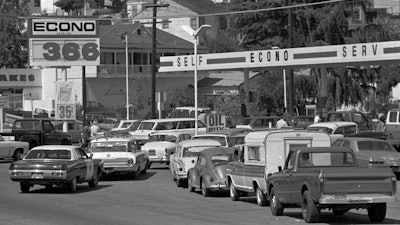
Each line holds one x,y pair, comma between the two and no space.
340,180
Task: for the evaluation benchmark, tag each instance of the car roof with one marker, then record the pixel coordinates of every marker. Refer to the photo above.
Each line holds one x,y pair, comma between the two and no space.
216,151
169,120
231,131
115,138
55,147
173,133
199,142
360,139
332,125
322,149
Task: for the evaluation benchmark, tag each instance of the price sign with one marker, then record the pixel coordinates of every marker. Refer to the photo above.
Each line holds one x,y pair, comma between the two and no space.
64,52
65,112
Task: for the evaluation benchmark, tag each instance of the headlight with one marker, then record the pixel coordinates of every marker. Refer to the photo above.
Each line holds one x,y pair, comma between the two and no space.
130,161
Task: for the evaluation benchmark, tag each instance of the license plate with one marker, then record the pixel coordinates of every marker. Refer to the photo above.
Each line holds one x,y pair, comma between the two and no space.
37,175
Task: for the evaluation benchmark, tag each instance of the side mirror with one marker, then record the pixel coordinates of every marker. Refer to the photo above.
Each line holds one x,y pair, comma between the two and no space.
280,168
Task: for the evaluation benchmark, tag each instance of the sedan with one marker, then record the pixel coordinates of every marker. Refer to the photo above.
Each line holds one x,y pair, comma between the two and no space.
372,151
208,174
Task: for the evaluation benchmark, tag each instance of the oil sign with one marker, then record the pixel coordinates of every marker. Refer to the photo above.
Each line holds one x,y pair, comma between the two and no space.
215,122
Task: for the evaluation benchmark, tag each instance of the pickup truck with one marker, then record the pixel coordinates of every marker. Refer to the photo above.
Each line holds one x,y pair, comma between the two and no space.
316,178
261,154
36,132
361,119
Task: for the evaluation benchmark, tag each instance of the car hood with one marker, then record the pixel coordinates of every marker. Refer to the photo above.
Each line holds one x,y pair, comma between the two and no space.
380,156
112,155
159,144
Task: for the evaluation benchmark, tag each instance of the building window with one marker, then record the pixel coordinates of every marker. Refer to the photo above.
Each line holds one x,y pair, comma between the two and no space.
165,24
193,23
37,3
137,58
254,153
107,58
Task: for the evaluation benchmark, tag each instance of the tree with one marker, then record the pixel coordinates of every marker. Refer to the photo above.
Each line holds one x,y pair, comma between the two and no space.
13,41
72,7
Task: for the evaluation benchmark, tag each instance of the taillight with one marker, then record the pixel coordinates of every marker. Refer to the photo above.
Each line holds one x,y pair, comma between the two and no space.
394,183
321,182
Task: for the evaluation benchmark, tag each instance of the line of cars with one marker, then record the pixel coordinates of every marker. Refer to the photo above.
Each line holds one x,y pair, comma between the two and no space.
344,173
241,163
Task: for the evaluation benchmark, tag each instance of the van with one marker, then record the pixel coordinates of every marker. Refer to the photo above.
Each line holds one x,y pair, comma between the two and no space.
147,127
392,128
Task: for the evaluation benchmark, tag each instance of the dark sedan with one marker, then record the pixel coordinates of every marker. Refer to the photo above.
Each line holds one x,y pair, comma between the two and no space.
208,174
50,165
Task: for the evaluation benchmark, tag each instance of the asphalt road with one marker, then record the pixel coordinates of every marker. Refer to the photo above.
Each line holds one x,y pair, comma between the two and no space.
152,199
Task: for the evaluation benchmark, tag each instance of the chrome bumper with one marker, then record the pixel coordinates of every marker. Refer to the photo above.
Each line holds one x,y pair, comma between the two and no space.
356,199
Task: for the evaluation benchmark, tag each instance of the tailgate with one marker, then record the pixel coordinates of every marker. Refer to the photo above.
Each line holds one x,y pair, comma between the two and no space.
359,181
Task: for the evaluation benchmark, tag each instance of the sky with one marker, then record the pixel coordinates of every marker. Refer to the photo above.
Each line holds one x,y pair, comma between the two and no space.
48,5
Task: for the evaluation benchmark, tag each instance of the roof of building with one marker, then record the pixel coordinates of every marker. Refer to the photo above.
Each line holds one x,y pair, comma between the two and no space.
201,6
111,36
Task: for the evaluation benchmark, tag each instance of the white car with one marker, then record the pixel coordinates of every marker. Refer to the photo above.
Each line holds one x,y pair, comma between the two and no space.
335,129
227,137
127,125
13,149
120,155
162,144
185,157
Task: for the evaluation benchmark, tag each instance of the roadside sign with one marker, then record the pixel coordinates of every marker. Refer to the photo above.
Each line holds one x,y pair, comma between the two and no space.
65,112
215,122
3,102
348,54
64,42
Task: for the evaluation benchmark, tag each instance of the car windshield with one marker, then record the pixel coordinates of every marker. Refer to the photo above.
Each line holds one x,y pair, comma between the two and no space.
321,129
146,126
48,154
217,138
125,124
193,151
375,146
245,122
109,146
162,137
326,159
222,158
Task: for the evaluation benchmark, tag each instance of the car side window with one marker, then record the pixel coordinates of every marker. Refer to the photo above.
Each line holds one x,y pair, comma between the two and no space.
349,130
81,154
48,128
253,153
339,131
346,144
202,160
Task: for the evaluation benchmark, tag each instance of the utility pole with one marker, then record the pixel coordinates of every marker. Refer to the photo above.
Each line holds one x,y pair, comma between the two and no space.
154,56
291,77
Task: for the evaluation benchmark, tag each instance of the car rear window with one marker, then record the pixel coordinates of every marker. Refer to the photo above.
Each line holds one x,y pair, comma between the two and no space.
48,154
393,117
375,146
117,146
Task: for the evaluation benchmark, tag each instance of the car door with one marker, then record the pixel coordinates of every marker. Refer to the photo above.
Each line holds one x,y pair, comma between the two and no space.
85,164
283,182
4,148
237,172
198,169
49,133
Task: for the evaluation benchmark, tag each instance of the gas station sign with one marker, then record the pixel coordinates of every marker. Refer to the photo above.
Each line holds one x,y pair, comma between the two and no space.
63,42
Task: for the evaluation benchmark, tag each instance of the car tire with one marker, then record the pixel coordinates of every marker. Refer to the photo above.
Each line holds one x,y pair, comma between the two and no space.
179,182
377,212
309,210
275,205
72,186
190,185
261,199
24,187
17,155
95,179
234,194
204,190
339,212
144,171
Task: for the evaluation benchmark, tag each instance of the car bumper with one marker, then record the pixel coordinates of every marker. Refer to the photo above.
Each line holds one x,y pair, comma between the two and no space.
216,187
39,176
158,158
181,175
108,169
356,199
